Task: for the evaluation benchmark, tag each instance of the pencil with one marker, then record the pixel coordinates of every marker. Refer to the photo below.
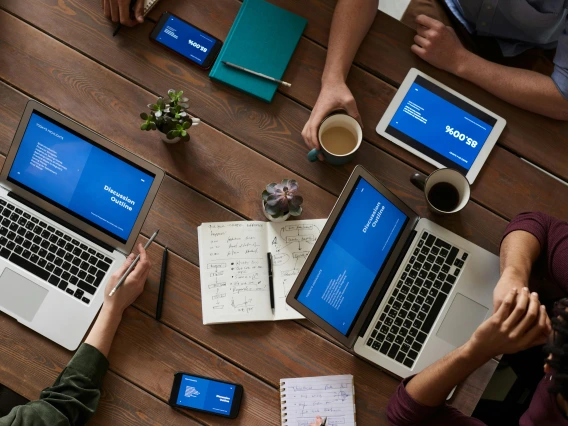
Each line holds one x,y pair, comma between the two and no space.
133,264
162,283
258,74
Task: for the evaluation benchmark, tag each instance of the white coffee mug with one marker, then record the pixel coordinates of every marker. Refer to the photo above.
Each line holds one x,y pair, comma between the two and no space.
447,191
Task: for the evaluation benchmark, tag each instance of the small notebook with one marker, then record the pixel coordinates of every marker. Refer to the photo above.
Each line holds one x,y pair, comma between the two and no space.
302,399
148,5
234,268
262,39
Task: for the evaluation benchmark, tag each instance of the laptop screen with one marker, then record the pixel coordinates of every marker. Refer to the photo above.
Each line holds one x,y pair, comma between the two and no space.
350,261
444,127
80,177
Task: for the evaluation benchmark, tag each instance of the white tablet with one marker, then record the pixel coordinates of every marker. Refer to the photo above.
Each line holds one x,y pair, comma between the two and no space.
440,126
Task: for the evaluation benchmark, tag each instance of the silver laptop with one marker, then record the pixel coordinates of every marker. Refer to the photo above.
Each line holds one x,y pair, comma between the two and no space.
71,206
400,290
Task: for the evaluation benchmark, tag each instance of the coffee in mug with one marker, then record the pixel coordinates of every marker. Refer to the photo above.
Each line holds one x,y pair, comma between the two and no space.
338,140
446,190
340,137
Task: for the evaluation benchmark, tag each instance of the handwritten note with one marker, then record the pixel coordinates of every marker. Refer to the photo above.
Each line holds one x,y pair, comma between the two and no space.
234,272
302,399
290,244
234,268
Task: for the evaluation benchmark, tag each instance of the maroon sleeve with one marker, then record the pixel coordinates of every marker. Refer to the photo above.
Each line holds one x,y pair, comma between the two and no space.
552,234
405,411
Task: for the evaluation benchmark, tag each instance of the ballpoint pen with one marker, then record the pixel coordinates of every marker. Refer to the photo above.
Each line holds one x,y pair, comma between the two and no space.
258,74
133,264
324,421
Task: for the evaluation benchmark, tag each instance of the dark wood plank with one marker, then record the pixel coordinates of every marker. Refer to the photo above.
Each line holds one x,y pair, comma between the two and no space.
386,51
176,211
109,104
271,129
266,349
121,403
182,273
506,185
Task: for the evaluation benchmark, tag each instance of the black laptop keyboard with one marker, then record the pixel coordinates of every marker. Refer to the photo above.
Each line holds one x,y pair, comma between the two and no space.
50,253
417,299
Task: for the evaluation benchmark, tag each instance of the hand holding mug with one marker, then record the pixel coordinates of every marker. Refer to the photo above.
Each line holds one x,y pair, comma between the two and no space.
339,136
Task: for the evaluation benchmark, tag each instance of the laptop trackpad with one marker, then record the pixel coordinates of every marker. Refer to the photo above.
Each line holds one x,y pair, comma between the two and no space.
20,295
462,319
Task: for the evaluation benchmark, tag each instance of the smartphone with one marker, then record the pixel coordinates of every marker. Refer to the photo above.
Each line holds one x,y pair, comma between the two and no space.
207,395
180,36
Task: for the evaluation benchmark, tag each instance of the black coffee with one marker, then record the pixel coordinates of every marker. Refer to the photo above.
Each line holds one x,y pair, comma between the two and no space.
444,196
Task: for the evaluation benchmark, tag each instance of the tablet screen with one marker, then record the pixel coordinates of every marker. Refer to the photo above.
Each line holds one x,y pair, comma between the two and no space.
440,125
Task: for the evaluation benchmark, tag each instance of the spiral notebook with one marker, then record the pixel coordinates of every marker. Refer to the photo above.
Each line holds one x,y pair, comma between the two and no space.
302,399
148,5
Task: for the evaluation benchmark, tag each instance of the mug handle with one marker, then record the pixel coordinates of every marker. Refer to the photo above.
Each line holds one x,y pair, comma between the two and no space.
419,180
313,155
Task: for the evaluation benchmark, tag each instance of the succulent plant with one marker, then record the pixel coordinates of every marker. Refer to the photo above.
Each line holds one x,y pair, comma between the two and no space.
282,198
169,117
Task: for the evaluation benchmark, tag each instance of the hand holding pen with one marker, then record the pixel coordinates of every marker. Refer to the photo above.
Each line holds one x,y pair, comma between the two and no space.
319,421
124,12
133,285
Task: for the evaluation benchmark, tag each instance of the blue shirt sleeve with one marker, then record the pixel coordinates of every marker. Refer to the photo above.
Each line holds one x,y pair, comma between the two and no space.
560,73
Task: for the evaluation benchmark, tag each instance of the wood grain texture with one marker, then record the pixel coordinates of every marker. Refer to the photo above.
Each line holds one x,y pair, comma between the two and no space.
99,99
506,184
386,52
273,129
30,363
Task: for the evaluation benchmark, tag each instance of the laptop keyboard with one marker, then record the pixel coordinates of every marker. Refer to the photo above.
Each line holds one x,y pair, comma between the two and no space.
50,253
417,299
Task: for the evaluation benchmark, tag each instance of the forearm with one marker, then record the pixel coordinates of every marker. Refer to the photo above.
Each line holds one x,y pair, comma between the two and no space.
351,22
103,331
432,386
519,251
523,88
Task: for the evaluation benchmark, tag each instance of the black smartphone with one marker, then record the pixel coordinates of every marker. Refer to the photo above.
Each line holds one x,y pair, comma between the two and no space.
180,36
208,395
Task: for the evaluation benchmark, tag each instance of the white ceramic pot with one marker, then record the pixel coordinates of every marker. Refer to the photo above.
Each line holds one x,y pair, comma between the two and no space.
164,137
270,218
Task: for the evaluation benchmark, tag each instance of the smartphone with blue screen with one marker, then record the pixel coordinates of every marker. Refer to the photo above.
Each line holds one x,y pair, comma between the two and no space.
187,40
207,395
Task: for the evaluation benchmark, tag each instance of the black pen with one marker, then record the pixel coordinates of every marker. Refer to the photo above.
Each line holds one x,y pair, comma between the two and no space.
130,9
162,284
270,280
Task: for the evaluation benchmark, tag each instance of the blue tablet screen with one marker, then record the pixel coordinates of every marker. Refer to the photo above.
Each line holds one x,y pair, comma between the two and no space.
441,125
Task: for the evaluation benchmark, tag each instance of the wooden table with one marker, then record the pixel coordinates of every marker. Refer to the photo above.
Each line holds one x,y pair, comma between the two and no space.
62,53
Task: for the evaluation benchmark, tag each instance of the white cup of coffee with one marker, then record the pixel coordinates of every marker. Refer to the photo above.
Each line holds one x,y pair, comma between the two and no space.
447,191
340,136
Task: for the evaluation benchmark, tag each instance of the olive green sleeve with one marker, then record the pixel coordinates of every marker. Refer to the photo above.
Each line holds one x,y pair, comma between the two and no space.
73,398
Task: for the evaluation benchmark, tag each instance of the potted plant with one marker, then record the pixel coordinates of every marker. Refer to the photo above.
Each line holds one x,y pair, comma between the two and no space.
280,200
170,117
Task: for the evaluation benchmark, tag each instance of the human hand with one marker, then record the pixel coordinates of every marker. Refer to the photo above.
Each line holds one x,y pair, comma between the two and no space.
119,11
439,45
508,281
521,322
317,422
132,286
332,97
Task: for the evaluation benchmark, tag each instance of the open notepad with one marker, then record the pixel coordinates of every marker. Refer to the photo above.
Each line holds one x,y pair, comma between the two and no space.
302,399
234,267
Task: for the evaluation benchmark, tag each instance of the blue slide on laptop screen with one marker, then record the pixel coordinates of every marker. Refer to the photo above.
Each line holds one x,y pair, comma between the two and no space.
348,264
204,394
80,177
441,125
186,40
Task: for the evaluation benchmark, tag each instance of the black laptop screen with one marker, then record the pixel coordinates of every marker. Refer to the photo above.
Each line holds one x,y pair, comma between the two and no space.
80,177
353,256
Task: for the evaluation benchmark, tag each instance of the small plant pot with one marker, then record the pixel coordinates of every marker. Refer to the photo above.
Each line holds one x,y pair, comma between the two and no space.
270,218
165,139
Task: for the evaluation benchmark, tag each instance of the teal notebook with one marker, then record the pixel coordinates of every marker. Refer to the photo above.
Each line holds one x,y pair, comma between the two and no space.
263,39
